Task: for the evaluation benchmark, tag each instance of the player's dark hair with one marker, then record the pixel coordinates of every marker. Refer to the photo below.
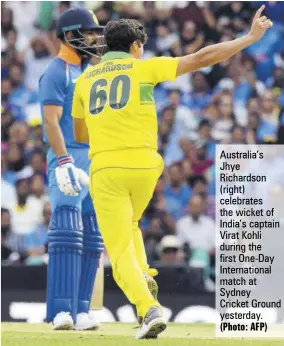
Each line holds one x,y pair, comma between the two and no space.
122,33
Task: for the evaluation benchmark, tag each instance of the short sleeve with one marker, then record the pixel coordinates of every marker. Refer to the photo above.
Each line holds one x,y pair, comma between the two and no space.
77,105
52,85
162,69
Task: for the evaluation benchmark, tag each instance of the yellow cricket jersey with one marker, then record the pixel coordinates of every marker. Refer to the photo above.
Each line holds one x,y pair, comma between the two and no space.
115,98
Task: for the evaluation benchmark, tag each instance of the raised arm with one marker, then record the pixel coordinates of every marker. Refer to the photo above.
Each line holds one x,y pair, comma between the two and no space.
216,53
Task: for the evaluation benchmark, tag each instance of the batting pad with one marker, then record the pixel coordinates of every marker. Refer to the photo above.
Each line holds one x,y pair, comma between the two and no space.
65,244
92,249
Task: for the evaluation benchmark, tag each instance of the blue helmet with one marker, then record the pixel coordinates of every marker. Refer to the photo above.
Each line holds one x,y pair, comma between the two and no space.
77,21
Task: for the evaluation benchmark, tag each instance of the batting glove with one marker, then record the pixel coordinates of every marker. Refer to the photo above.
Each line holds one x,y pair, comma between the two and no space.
70,179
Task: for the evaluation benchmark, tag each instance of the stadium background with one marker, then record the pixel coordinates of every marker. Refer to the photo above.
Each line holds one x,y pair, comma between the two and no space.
239,101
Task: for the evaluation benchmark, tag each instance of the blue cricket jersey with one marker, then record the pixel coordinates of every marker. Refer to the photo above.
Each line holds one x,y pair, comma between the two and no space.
56,87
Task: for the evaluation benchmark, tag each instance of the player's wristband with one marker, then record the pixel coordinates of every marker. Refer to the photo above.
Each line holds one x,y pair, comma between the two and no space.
62,160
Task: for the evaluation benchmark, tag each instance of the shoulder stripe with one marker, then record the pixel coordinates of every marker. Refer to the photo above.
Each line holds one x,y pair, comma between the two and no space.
147,94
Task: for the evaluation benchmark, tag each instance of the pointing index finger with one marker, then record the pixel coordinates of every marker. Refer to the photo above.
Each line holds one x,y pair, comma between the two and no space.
258,12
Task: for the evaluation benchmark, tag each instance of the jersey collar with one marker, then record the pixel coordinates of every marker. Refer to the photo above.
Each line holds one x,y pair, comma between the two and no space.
67,54
115,55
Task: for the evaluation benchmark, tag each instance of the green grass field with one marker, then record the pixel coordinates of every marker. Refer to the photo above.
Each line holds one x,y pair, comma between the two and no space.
120,334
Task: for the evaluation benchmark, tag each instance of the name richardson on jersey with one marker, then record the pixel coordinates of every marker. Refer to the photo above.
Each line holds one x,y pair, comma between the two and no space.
108,67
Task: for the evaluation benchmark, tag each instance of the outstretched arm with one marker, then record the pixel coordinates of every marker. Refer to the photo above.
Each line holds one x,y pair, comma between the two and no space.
216,53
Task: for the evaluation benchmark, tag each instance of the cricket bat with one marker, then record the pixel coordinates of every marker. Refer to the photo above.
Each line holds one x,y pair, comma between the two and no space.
97,300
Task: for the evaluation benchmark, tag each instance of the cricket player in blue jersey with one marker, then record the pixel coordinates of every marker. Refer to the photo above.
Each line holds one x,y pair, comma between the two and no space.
74,241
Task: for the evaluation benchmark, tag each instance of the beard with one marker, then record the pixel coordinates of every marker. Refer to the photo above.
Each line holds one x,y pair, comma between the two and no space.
90,51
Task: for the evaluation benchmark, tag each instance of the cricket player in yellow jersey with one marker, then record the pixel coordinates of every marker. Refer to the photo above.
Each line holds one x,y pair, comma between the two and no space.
114,110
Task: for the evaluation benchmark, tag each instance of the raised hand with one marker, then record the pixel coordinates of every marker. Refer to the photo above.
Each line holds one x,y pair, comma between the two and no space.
259,24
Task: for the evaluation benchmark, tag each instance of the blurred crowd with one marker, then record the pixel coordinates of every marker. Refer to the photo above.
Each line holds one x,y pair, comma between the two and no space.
236,102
